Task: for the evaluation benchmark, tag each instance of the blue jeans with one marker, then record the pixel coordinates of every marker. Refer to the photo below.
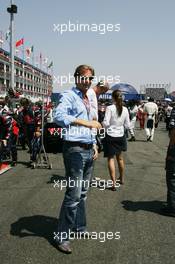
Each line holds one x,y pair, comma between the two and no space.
79,166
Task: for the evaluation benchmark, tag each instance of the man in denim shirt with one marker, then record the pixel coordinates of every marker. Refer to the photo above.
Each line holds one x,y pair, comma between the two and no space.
169,209
73,114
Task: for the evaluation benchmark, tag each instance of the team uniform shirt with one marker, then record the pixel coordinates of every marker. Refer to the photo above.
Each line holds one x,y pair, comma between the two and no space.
151,109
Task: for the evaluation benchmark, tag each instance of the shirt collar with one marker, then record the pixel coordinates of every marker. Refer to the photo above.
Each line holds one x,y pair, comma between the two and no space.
78,92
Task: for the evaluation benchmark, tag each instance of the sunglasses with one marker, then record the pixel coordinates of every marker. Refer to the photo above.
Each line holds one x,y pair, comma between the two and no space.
86,78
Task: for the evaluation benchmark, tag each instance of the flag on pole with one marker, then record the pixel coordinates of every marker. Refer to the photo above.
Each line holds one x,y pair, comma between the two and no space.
50,65
19,42
29,51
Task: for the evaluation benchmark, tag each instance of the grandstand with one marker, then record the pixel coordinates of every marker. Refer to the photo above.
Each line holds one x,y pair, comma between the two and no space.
156,91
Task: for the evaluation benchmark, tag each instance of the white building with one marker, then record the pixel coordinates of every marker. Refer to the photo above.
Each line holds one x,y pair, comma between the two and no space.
30,81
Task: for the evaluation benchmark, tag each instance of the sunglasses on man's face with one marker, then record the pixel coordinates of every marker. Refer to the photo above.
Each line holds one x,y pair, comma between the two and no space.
86,78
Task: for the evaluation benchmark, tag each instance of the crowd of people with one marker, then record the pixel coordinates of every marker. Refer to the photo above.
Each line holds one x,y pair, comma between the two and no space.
79,115
21,125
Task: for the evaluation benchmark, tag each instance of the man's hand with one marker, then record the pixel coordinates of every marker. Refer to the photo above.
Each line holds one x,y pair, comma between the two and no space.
94,124
89,124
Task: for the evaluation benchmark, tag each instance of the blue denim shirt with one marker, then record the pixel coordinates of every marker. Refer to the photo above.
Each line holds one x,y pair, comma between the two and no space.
70,108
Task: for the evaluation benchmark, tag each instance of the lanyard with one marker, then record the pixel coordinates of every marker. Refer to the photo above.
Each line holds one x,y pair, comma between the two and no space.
87,104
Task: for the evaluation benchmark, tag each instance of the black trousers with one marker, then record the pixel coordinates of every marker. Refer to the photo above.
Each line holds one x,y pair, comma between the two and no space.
170,178
30,129
12,146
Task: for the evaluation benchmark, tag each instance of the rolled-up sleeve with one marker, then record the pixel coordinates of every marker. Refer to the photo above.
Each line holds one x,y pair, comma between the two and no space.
63,116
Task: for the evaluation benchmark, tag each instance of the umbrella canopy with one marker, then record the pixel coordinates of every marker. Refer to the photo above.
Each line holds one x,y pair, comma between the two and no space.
124,88
167,99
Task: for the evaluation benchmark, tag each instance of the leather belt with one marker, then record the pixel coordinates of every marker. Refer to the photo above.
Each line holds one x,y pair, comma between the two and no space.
78,144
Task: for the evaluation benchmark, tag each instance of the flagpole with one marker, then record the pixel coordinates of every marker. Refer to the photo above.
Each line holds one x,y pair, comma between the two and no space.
51,64
40,61
12,47
33,57
23,50
1,38
12,10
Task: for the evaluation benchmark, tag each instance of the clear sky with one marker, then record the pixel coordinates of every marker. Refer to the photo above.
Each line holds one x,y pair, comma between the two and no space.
141,52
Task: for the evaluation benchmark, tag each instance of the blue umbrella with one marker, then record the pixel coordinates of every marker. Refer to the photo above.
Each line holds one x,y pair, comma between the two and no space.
124,88
167,99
